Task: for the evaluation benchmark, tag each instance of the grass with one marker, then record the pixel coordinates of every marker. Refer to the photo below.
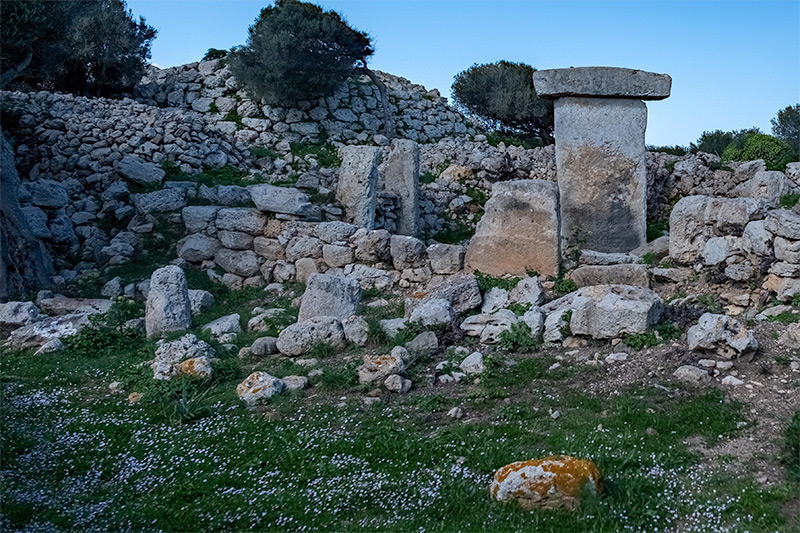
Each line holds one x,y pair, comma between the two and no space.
259,152
486,282
323,151
661,333
790,447
455,231
788,201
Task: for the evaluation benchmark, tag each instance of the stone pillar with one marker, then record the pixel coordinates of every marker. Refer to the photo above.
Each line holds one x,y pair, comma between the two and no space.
401,177
358,180
600,122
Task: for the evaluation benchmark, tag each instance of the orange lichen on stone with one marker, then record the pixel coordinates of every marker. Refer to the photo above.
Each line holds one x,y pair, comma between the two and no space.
553,482
419,295
196,367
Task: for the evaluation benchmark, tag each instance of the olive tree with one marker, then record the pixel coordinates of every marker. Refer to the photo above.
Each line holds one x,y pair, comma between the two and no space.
786,126
297,51
80,46
502,96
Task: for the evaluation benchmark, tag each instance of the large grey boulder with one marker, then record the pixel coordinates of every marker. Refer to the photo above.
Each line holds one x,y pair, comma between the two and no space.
358,181
335,231
461,290
520,230
725,336
784,223
767,185
626,274
610,311
135,169
163,201
489,326
197,247
433,312
241,219
329,295
300,337
371,246
401,177
696,219
446,258
14,315
45,330
407,252
46,193
168,307
243,263
285,200
602,81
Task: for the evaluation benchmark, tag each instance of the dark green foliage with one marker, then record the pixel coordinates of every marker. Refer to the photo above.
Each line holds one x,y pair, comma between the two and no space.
656,229
775,152
786,126
214,53
106,332
518,339
713,142
519,309
672,150
788,201
297,51
709,301
210,176
661,333
790,447
326,154
427,177
259,152
562,284
78,46
528,142
233,116
183,400
566,329
455,231
486,282
502,96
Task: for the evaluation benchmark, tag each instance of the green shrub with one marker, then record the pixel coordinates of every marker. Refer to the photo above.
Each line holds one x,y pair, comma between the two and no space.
562,285
259,152
656,229
427,177
214,53
790,447
518,339
502,96
323,151
786,126
775,152
660,333
566,329
233,116
528,142
297,51
486,282
672,150
788,201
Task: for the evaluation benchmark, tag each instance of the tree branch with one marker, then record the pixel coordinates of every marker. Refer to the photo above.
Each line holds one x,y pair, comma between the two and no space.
14,72
388,127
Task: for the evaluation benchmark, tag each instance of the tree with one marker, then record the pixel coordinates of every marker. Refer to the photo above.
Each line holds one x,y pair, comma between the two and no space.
786,126
297,51
502,95
79,46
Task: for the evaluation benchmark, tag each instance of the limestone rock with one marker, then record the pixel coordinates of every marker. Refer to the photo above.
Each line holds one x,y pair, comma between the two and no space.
259,387
295,382
401,177
446,258
62,305
170,355
243,263
725,336
488,327
168,307
461,290
691,375
767,185
528,291
197,247
609,311
791,337
299,338
625,274
357,187
283,200
433,312
135,169
552,483
519,231
42,331
264,346
14,315
330,295
356,330
494,299
407,252
784,223
602,81
225,325
425,342
379,367
397,383
200,300
473,364
241,219
163,201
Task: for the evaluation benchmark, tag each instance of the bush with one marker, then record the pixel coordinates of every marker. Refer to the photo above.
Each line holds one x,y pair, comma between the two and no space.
786,126
77,46
713,142
214,53
503,97
296,51
775,152
672,150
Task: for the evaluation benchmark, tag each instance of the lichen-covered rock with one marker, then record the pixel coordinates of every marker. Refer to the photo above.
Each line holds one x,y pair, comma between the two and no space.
552,483
379,367
299,338
170,355
609,311
168,307
259,387
329,295
356,330
196,367
723,335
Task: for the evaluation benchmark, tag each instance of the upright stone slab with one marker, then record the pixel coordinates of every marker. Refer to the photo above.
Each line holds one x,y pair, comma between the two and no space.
401,176
168,307
519,231
358,180
600,122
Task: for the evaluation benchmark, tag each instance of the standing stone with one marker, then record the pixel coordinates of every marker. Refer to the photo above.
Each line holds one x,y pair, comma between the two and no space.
329,295
401,177
600,123
519,231
358,180
168,306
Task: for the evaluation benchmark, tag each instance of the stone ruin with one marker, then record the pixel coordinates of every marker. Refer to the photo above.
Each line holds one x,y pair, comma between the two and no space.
600,203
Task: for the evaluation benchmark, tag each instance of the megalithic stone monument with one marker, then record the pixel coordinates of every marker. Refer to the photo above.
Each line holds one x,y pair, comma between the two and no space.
600,120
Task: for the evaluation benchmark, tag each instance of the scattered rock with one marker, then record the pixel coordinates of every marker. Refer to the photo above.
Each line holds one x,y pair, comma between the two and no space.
299,338
170,355
473,364
379,367
396,383
330,295
725,336
691,375
168,307
259,387
609,311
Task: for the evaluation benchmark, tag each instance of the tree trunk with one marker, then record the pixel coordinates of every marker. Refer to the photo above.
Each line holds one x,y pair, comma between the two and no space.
388,126
12,73
25,263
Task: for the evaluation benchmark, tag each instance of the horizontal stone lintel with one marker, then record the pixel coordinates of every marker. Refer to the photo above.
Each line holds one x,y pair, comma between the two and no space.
605,82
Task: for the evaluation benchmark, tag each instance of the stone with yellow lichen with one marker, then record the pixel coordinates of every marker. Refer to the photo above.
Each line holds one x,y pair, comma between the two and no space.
196,367
379,367
554,482
259,386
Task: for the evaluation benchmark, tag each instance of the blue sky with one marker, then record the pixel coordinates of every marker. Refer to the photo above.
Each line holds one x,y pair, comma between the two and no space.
734,64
